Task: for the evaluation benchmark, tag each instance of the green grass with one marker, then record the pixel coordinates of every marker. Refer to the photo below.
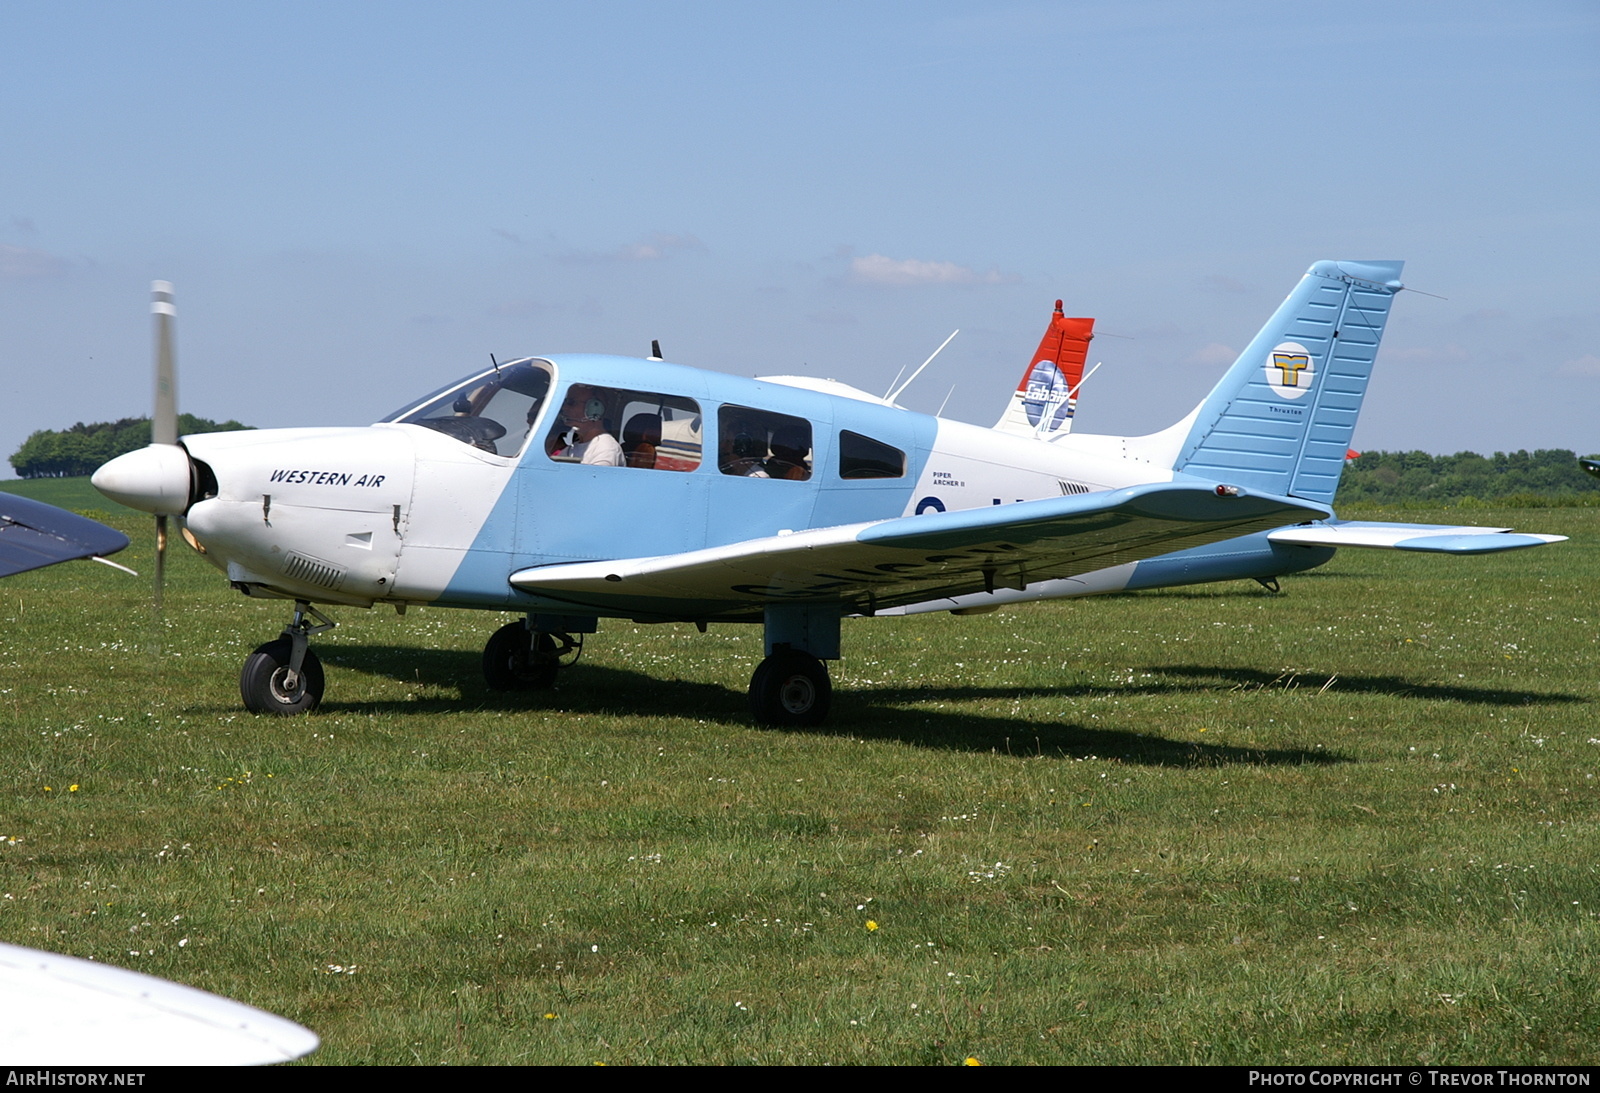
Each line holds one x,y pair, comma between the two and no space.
69,493
1355,822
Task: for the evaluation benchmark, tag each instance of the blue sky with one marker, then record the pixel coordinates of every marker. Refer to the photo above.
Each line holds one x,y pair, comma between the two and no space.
358,202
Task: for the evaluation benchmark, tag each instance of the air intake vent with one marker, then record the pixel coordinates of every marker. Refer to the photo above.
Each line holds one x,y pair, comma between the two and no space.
1069,489
298,567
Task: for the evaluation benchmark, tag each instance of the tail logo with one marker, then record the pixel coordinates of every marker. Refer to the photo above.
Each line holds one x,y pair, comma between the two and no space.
1048,398
1290,370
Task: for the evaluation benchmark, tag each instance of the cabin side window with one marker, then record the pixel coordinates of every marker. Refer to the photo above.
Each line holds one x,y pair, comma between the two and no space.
494,411
862,457
761,444
611,427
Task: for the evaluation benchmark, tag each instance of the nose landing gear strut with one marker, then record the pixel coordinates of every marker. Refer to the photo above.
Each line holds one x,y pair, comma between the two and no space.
284,676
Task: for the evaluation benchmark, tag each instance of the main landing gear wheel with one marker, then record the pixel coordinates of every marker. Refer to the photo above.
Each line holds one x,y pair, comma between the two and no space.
267,684
514,661
790,689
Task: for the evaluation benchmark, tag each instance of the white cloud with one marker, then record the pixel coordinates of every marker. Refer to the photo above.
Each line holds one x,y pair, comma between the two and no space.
1218,282
652,248
879,269
22,263
1447,354
1586,365
1214,354
521,307
657,246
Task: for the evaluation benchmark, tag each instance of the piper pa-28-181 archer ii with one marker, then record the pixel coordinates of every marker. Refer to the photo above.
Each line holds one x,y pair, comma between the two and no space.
571,488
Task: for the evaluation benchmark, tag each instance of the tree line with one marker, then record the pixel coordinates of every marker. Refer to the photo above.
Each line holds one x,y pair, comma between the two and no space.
1380,478
67,453
1388,478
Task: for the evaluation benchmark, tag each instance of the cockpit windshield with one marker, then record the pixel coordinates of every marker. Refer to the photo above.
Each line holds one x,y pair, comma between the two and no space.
494,411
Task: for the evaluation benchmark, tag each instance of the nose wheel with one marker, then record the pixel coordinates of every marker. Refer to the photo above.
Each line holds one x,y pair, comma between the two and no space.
269,683
284,677
790,689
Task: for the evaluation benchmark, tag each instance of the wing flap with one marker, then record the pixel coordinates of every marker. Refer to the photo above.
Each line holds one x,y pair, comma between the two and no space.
1429,538
871,566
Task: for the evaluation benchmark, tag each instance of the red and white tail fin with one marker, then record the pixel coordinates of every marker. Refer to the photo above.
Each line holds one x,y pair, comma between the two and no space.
1043,403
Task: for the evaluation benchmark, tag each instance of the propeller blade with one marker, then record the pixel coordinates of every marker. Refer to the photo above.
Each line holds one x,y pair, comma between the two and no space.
163,423
164,418
161,565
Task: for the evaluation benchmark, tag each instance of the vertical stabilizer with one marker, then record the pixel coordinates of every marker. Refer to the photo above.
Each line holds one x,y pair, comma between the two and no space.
1282,417
1044,402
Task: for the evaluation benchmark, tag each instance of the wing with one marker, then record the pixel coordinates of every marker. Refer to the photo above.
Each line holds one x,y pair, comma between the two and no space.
34,534
1433,538
868,567
61,1011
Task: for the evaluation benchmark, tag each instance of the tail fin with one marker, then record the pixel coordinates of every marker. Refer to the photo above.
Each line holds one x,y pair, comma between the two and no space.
1044,402
1282,417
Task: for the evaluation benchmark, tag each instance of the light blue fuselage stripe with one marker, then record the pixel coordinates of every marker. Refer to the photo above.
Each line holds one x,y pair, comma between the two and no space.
555,512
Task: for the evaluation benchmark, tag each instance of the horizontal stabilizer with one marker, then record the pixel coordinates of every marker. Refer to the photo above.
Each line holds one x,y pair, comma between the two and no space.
1431,538
34,535
867,567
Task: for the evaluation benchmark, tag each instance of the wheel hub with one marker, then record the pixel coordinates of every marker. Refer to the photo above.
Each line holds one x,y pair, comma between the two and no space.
287,685
797,694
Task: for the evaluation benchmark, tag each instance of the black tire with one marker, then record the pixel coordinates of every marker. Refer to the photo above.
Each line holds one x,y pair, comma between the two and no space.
790,689
513,662
263,684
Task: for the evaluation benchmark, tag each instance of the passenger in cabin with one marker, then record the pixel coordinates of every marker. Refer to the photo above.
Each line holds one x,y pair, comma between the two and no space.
746,457
790,447
641,436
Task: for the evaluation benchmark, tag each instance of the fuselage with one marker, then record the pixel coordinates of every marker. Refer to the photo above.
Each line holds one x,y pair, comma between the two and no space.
489,476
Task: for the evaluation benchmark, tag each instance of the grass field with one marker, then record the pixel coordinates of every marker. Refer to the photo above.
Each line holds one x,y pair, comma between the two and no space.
1354,822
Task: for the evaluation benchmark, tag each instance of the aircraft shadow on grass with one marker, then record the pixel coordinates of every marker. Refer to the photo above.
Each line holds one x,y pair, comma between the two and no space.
888,714
1255,679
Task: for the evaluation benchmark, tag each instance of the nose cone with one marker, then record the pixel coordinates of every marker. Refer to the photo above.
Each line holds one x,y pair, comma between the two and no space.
154,479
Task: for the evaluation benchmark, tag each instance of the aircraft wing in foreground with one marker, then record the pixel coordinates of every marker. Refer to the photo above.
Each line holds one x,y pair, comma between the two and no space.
61,1011
34,535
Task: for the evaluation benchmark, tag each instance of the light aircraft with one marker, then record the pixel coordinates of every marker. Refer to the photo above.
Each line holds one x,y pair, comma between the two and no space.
570,488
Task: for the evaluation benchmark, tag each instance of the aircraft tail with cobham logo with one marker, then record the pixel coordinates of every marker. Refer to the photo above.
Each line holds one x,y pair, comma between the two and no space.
1282,417
1044,402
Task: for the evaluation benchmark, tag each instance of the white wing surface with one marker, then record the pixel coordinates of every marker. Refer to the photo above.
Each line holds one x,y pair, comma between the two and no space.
60,1011
912,559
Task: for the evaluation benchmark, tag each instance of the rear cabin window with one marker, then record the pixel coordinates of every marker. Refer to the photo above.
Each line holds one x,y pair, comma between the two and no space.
611,427
761,444
862,457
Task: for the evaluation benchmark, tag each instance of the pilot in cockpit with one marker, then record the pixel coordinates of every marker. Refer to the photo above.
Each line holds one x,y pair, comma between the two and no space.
584,437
